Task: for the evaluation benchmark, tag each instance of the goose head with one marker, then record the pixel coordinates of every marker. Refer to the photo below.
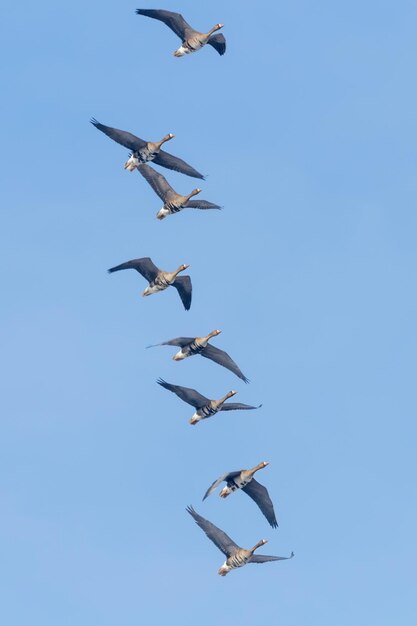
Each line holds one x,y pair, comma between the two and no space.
214,333
258,467
260,543
216,27
195,192
167,138
226,397
182,268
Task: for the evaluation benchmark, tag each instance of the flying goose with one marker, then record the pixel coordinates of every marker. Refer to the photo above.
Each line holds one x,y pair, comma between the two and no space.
173,202
205,407
200,345
144,151
235,556
243,479
192,40
158,279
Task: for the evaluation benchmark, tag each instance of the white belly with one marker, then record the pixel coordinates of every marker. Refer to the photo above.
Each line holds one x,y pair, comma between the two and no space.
131,163
197,417
162,213
150,290
225,569
181,51
180,356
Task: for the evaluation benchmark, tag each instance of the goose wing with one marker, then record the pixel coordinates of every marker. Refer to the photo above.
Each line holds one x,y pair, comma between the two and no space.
201,204
183,285
144,266
179,341
191,396
237,406
158,182
222,358
260,495
217,482
174,21
263,558
218,42
129,141
174,163
217,536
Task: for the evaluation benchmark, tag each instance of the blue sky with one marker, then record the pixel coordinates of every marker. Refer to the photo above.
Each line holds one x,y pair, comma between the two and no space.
307,131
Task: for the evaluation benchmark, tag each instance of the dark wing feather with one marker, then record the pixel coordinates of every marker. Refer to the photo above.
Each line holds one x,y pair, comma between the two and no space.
237,406
179,341
183,285
217,536
263,558
191,396
201,204
158,182
218,42
174,163
217,482
143,266
260,495
222,358
129,141
174,21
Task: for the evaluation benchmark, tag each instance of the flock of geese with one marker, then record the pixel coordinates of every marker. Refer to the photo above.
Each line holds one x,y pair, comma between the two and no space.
141,153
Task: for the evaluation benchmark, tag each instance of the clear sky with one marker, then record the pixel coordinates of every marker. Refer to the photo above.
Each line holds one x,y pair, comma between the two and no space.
307,129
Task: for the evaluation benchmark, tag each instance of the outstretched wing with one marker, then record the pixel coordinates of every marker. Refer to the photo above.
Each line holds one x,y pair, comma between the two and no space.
217,536
174,21
263,558
217,482
174,163
129,141
222,358
179,341
218,42
183,285
260,495
143,266
201,204
158,182
191,396
237,406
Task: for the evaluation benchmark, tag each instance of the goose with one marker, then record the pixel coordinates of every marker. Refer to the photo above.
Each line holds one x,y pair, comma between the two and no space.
173,202
192,40
158,279
200,345
244,479
144,151
235,556
205,407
